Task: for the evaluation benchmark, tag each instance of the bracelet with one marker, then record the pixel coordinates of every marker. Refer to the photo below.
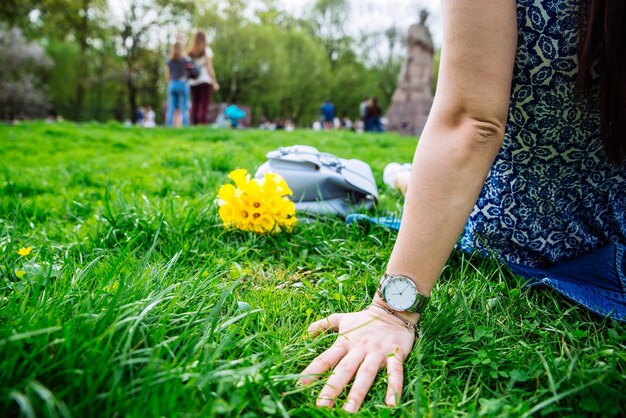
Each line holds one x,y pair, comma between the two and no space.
411,327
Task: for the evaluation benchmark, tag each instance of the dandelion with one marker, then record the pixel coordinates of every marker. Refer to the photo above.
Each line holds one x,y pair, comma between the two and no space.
257,205
23,252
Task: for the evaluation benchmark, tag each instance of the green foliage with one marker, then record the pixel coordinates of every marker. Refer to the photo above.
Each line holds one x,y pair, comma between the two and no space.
274,67
308,77
436,64
281,71
142,65
68,19
328,21
252,66
136,302
351,82
63,76
14,13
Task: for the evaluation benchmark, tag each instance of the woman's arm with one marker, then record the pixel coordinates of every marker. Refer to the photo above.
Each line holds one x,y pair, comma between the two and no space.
209,67
461,139
167,74
462,136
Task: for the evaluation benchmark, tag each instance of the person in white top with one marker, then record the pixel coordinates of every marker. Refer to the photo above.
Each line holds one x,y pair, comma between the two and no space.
150,121
206,82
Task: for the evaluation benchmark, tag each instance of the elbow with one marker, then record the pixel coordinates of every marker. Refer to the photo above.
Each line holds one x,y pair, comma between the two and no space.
469,128
484,133
465,138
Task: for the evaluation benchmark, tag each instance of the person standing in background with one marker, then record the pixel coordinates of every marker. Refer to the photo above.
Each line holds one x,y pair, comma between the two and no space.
139,113
373,115
203,86
363,110
328,114
317,125
150,118
177,88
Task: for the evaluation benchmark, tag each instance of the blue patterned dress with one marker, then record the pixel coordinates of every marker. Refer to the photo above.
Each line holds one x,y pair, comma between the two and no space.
552,207
550,196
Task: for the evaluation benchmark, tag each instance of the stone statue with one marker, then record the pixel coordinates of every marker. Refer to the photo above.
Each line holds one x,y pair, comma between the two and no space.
412,100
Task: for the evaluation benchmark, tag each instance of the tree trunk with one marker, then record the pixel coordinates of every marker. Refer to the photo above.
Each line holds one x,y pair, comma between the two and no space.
82,35
100,87
132,94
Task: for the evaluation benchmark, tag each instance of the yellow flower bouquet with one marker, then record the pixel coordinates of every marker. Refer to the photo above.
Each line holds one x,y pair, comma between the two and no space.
257,205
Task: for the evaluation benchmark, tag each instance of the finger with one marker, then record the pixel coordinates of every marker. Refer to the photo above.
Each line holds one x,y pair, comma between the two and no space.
342,375
395,379
322,363
318,327
362,383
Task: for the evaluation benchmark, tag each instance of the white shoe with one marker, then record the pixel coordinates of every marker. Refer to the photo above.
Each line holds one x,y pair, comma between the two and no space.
392,170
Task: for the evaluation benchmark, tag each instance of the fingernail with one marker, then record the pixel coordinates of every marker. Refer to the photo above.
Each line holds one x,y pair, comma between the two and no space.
324,403
350,406
391,400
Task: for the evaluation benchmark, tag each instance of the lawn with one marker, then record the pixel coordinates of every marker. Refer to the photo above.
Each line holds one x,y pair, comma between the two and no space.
136,302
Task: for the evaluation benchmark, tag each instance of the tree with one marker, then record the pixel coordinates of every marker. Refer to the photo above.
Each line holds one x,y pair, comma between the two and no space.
138,20
63,76
383,51
22,93
351,82
16,13
140,42
308,77
269,13
80,20
270,63
77,21
436,64
251,65
328,21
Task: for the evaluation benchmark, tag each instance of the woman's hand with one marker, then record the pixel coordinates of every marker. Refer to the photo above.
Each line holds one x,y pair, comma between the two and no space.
368,342
216,86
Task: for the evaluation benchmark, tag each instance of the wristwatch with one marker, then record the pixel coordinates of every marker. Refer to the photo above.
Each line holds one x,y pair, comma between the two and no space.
401,294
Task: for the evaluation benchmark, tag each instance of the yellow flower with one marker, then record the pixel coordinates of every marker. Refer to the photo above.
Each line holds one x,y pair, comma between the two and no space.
289,223
20,273
227,192
276,184
256,205
112,288
263,223
23,252
228,213
240,177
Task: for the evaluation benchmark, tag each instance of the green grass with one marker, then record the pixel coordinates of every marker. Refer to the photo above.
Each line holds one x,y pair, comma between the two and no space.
135,302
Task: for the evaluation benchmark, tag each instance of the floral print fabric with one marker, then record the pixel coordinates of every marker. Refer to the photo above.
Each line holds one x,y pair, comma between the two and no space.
550,196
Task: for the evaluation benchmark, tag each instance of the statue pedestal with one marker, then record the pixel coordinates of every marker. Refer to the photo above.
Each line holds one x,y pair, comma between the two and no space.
409,117
412,100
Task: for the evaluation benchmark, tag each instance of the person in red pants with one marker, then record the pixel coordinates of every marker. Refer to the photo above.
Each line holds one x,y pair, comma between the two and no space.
205,83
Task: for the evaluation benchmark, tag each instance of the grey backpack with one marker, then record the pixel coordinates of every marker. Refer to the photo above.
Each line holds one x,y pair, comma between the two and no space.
323,183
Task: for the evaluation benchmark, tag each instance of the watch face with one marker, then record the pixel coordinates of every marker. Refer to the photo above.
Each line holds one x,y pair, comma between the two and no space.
400,293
